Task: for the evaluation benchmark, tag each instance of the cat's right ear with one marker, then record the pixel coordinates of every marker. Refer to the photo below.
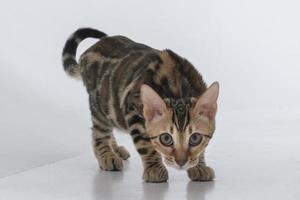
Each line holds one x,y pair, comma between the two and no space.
154,107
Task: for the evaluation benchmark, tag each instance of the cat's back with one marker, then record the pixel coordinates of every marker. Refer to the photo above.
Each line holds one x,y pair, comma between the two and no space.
119,61
112,56
116,47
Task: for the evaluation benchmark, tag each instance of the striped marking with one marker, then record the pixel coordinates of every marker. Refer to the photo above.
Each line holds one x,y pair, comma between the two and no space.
181,115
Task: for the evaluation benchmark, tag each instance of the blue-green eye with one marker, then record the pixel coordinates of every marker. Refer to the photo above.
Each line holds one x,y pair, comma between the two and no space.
166,139
195,139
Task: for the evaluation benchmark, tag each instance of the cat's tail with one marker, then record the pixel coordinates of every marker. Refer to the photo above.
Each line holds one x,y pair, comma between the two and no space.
70,64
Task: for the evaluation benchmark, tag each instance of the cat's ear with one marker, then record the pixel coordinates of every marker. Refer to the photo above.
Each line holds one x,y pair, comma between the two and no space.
154,106
207,103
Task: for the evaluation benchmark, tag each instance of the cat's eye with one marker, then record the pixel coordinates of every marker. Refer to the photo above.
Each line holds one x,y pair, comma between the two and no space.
166,139
195,139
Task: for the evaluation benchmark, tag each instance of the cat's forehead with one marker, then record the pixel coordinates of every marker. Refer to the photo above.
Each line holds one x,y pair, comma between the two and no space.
180,112
180,103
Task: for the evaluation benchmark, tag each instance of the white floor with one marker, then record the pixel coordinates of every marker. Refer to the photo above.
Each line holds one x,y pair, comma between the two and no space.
254,158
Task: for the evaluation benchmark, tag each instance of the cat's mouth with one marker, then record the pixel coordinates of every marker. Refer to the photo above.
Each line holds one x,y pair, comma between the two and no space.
169,162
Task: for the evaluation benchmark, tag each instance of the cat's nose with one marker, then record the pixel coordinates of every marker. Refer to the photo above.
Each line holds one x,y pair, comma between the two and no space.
180,157
181,161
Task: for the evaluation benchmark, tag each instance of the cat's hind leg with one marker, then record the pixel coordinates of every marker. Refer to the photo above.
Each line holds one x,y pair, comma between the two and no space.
103,141
120,150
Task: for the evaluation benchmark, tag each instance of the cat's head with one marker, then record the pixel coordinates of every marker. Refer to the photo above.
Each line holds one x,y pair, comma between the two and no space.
180,129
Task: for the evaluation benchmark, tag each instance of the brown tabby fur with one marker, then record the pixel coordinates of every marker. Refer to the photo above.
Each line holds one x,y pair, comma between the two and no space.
113,71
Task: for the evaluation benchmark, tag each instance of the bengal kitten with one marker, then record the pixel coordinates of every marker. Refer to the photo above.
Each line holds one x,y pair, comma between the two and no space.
157,96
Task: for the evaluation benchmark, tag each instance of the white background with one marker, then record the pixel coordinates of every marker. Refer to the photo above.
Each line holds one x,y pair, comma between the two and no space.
251,47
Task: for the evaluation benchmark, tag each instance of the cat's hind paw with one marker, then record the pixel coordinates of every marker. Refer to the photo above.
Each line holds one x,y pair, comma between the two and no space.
122,152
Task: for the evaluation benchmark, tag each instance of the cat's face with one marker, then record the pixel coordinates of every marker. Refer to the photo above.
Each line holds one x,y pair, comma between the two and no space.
180,129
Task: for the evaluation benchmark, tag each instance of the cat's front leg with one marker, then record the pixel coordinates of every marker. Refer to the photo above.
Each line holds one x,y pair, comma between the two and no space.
154,169
201,172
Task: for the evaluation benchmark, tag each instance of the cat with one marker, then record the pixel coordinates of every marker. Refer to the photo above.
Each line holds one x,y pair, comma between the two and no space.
156,96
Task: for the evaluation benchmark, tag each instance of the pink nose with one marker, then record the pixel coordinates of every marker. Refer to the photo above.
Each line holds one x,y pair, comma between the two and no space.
181,161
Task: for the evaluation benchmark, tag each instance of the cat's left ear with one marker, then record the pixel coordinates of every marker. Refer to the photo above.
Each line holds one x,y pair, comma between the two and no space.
207,103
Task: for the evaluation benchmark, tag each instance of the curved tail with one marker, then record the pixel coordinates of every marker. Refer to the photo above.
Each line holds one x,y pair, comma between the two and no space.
70,64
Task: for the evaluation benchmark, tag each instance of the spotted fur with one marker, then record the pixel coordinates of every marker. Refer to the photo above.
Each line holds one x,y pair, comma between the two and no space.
113,71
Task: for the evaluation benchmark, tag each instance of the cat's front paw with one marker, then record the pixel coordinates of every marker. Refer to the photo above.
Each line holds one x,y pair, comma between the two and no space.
156,174
111,162
201,173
